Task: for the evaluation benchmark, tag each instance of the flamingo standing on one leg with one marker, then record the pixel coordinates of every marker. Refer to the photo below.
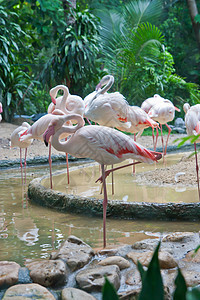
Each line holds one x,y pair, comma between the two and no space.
192,123
15,142
103,144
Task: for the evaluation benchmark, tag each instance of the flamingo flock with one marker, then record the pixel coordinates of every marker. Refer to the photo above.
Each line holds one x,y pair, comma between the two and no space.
64,128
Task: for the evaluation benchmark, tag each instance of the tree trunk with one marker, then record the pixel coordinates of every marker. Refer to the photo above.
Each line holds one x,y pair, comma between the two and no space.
192,6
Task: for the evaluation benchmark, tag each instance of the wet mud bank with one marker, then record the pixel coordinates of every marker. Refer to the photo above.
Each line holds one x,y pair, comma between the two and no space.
40,195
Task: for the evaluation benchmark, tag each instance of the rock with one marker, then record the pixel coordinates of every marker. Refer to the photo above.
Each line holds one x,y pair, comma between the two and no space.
179,122
132,277
121,262
112,250
192,278
178,237
75,294
93,279
9,271
48,272
130,295
166,260
147,244
75,253
192,256
27,292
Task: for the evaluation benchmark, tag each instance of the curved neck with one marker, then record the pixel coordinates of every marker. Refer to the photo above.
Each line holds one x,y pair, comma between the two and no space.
108,81
67,130
62,102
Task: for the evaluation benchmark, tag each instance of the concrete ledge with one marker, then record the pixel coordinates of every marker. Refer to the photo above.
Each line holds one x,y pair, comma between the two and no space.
115,209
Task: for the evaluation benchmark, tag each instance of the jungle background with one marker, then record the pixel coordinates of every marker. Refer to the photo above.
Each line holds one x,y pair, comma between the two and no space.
150,46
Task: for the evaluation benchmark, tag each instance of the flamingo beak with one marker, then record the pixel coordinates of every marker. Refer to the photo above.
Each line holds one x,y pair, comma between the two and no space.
47,134
177,109
53,100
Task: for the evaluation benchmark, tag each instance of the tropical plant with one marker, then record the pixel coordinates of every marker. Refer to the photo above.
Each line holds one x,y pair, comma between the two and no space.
76,60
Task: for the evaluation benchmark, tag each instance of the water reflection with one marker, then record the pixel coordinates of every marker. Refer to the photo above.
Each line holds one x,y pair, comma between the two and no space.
30,231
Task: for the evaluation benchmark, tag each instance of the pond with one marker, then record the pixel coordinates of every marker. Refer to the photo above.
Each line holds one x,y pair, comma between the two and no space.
29,231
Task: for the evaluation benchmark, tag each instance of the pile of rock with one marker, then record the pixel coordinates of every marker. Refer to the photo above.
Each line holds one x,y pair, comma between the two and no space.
179,126
75,271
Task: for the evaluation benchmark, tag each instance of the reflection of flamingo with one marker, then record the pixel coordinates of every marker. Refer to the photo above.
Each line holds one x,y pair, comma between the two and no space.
192,123
1,110
36,131
103,144
15,142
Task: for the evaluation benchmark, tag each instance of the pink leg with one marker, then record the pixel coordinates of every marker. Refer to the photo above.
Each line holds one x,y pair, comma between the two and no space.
67,161
25,164
197,169
88,121
156,139
169,131
153,137
105,201
133,159
50,166
21,165
112,182
162,138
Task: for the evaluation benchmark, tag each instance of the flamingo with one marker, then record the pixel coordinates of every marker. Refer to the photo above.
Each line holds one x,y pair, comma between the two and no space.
15,142
158,108
103,144
192,123
36,132
68,104
1,110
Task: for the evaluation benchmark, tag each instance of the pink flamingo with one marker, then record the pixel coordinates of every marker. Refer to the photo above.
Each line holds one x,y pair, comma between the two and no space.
161,110
68,104
104,145
192,123
1,110
15,142
36,132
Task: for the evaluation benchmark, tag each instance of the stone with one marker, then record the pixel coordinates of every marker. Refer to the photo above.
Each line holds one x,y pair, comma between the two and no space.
48,272
75,294
192,256
192,278
166,260
132,277
93,279
147,244
75,253
130,295
178,237
121,262
27,292
9,272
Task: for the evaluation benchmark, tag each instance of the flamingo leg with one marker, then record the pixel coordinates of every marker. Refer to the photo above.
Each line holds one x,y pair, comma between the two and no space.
50,166
112,182
133,159
67,161
115,169
25,165
156,139
197,169
21,165
162,138
88,121
153,137
105,201
169,131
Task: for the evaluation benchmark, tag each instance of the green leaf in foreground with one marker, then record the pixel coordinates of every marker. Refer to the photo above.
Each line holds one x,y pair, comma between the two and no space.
181,288
109,292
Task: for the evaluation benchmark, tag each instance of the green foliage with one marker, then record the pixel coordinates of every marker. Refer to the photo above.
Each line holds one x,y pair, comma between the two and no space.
75,62
181,288
108,291
152,285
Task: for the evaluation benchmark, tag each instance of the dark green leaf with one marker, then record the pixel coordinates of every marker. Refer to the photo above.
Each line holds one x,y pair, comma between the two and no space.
181,288
109,291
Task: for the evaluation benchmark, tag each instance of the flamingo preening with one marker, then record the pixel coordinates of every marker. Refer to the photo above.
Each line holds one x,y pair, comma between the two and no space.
103,144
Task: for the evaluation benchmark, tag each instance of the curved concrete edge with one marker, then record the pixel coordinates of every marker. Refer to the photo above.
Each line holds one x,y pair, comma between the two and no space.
115,209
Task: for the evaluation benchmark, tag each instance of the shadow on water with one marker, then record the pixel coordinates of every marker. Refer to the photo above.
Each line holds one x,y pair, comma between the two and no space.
28,231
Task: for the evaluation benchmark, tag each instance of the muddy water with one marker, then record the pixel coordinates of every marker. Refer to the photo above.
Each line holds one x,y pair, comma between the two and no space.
28,231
